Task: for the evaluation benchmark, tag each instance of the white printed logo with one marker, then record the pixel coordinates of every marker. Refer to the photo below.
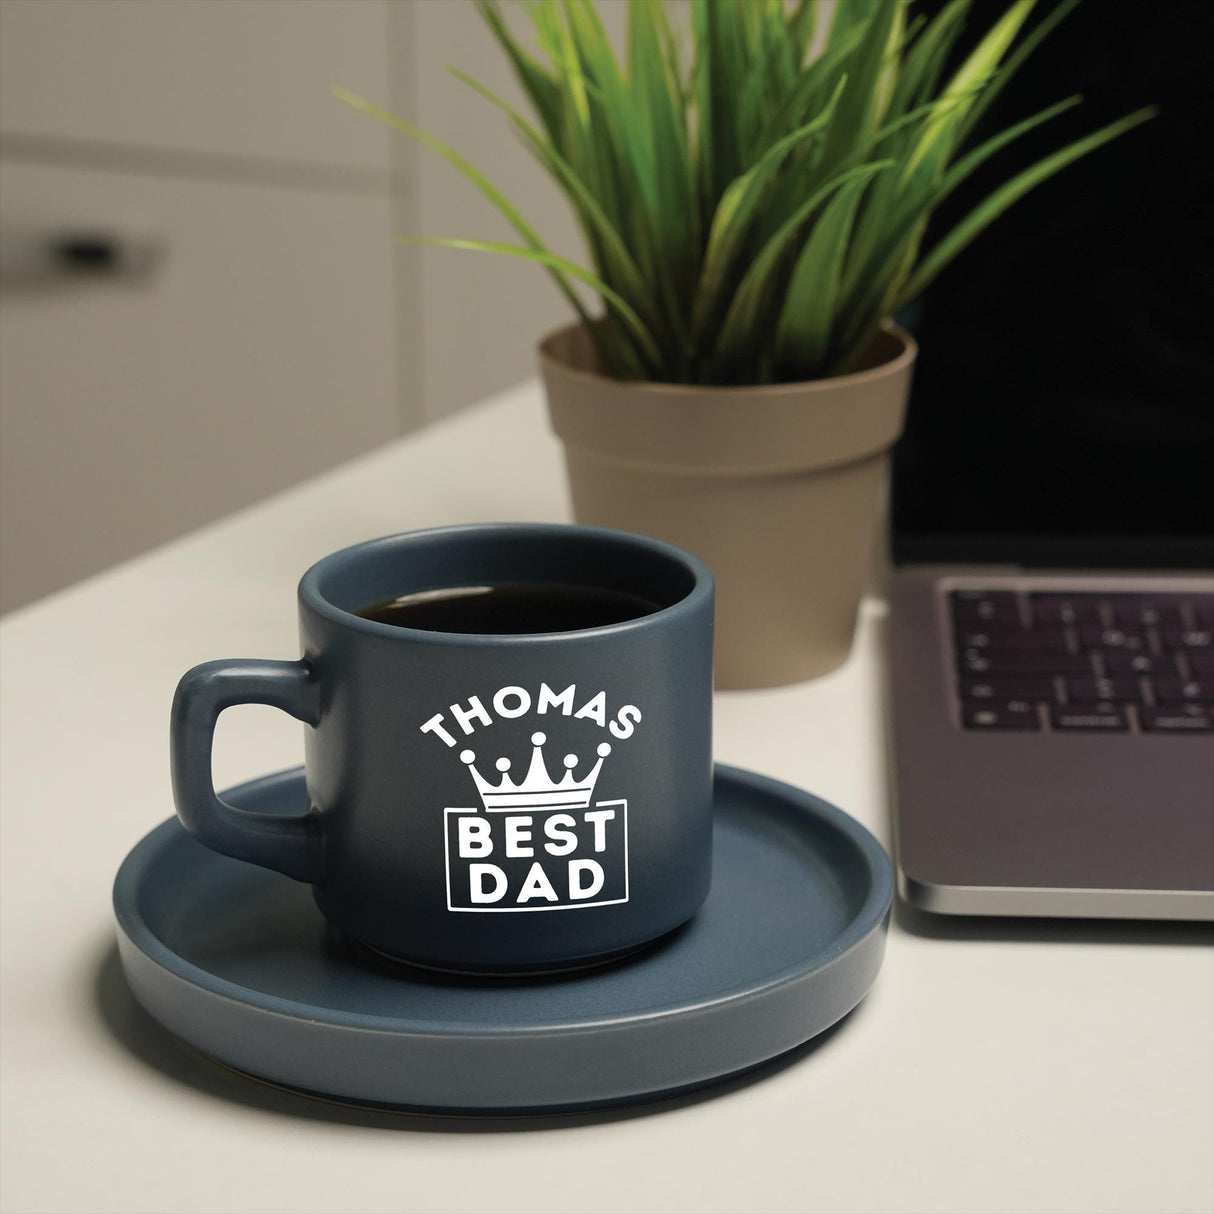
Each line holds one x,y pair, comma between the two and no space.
540,844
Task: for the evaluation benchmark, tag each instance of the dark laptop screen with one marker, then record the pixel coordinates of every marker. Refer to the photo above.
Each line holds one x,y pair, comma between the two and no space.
1063,405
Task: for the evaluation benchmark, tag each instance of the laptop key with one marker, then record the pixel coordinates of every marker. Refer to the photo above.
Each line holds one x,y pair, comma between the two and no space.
1181,690
1087,691
1119,662
1022,665
976,608
1014,714
1178,718
1014,640
1136,615
1188,638
1066,609
996,691
1103,715
1095,637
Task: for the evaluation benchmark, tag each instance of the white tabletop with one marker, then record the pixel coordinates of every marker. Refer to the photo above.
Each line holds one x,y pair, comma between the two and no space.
1032,1067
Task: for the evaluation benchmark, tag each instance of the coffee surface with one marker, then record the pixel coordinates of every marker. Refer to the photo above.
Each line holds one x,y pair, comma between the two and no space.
513,609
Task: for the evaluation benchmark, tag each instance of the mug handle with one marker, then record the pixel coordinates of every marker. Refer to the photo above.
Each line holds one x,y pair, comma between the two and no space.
288,844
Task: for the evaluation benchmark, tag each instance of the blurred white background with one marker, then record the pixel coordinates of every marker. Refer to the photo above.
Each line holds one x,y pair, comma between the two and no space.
260,324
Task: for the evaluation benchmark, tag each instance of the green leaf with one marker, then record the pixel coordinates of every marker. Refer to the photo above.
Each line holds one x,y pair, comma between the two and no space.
473,174
1033,40
622,269
807,319
801,23
877,141
539,86
998,202
817,81
855,116
616,129
616,302
887,76
747,309
892,208
939,136
962,168
986,56
889,262
719,76
568,57
673,214
848,15
924,62
732,221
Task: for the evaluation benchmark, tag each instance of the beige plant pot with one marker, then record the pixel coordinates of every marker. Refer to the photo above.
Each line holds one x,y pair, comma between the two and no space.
778,488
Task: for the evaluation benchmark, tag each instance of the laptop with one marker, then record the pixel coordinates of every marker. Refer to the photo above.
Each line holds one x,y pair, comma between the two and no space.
1051,662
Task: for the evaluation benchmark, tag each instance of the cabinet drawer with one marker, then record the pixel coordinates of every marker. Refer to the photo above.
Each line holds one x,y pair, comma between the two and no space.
259,353
240,77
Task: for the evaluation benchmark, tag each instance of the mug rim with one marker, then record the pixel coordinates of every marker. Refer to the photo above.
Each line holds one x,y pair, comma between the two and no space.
310,594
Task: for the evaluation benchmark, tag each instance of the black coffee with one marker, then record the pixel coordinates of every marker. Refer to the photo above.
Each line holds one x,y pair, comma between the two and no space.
500,610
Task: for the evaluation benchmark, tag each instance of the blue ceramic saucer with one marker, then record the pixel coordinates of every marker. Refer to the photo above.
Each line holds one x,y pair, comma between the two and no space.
237,961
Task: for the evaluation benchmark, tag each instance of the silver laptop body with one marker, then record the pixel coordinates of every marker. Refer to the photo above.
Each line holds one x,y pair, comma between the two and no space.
1066,807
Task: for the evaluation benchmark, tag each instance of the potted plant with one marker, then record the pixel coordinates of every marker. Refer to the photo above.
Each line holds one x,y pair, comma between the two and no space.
755,216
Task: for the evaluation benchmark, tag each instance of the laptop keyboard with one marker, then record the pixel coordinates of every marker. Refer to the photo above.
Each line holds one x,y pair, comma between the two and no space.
1084,661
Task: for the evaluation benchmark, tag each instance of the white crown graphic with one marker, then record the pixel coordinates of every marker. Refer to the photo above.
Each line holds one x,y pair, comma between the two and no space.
537,790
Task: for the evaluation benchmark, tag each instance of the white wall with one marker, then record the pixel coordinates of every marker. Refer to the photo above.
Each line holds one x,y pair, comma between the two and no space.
482,313
284,329
262,349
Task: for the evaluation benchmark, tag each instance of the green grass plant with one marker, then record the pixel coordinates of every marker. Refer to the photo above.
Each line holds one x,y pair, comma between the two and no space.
755,204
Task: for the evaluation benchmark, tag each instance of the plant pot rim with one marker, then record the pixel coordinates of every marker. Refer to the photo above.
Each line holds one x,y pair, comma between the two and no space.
890,366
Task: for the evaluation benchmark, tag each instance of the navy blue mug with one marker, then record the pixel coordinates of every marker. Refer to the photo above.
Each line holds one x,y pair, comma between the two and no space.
481,802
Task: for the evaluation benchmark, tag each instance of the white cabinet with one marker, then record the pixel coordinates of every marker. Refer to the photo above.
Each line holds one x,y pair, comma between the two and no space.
223,77
265,346
259,353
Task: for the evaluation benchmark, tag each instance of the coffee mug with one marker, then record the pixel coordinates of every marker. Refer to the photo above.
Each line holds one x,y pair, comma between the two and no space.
484,801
